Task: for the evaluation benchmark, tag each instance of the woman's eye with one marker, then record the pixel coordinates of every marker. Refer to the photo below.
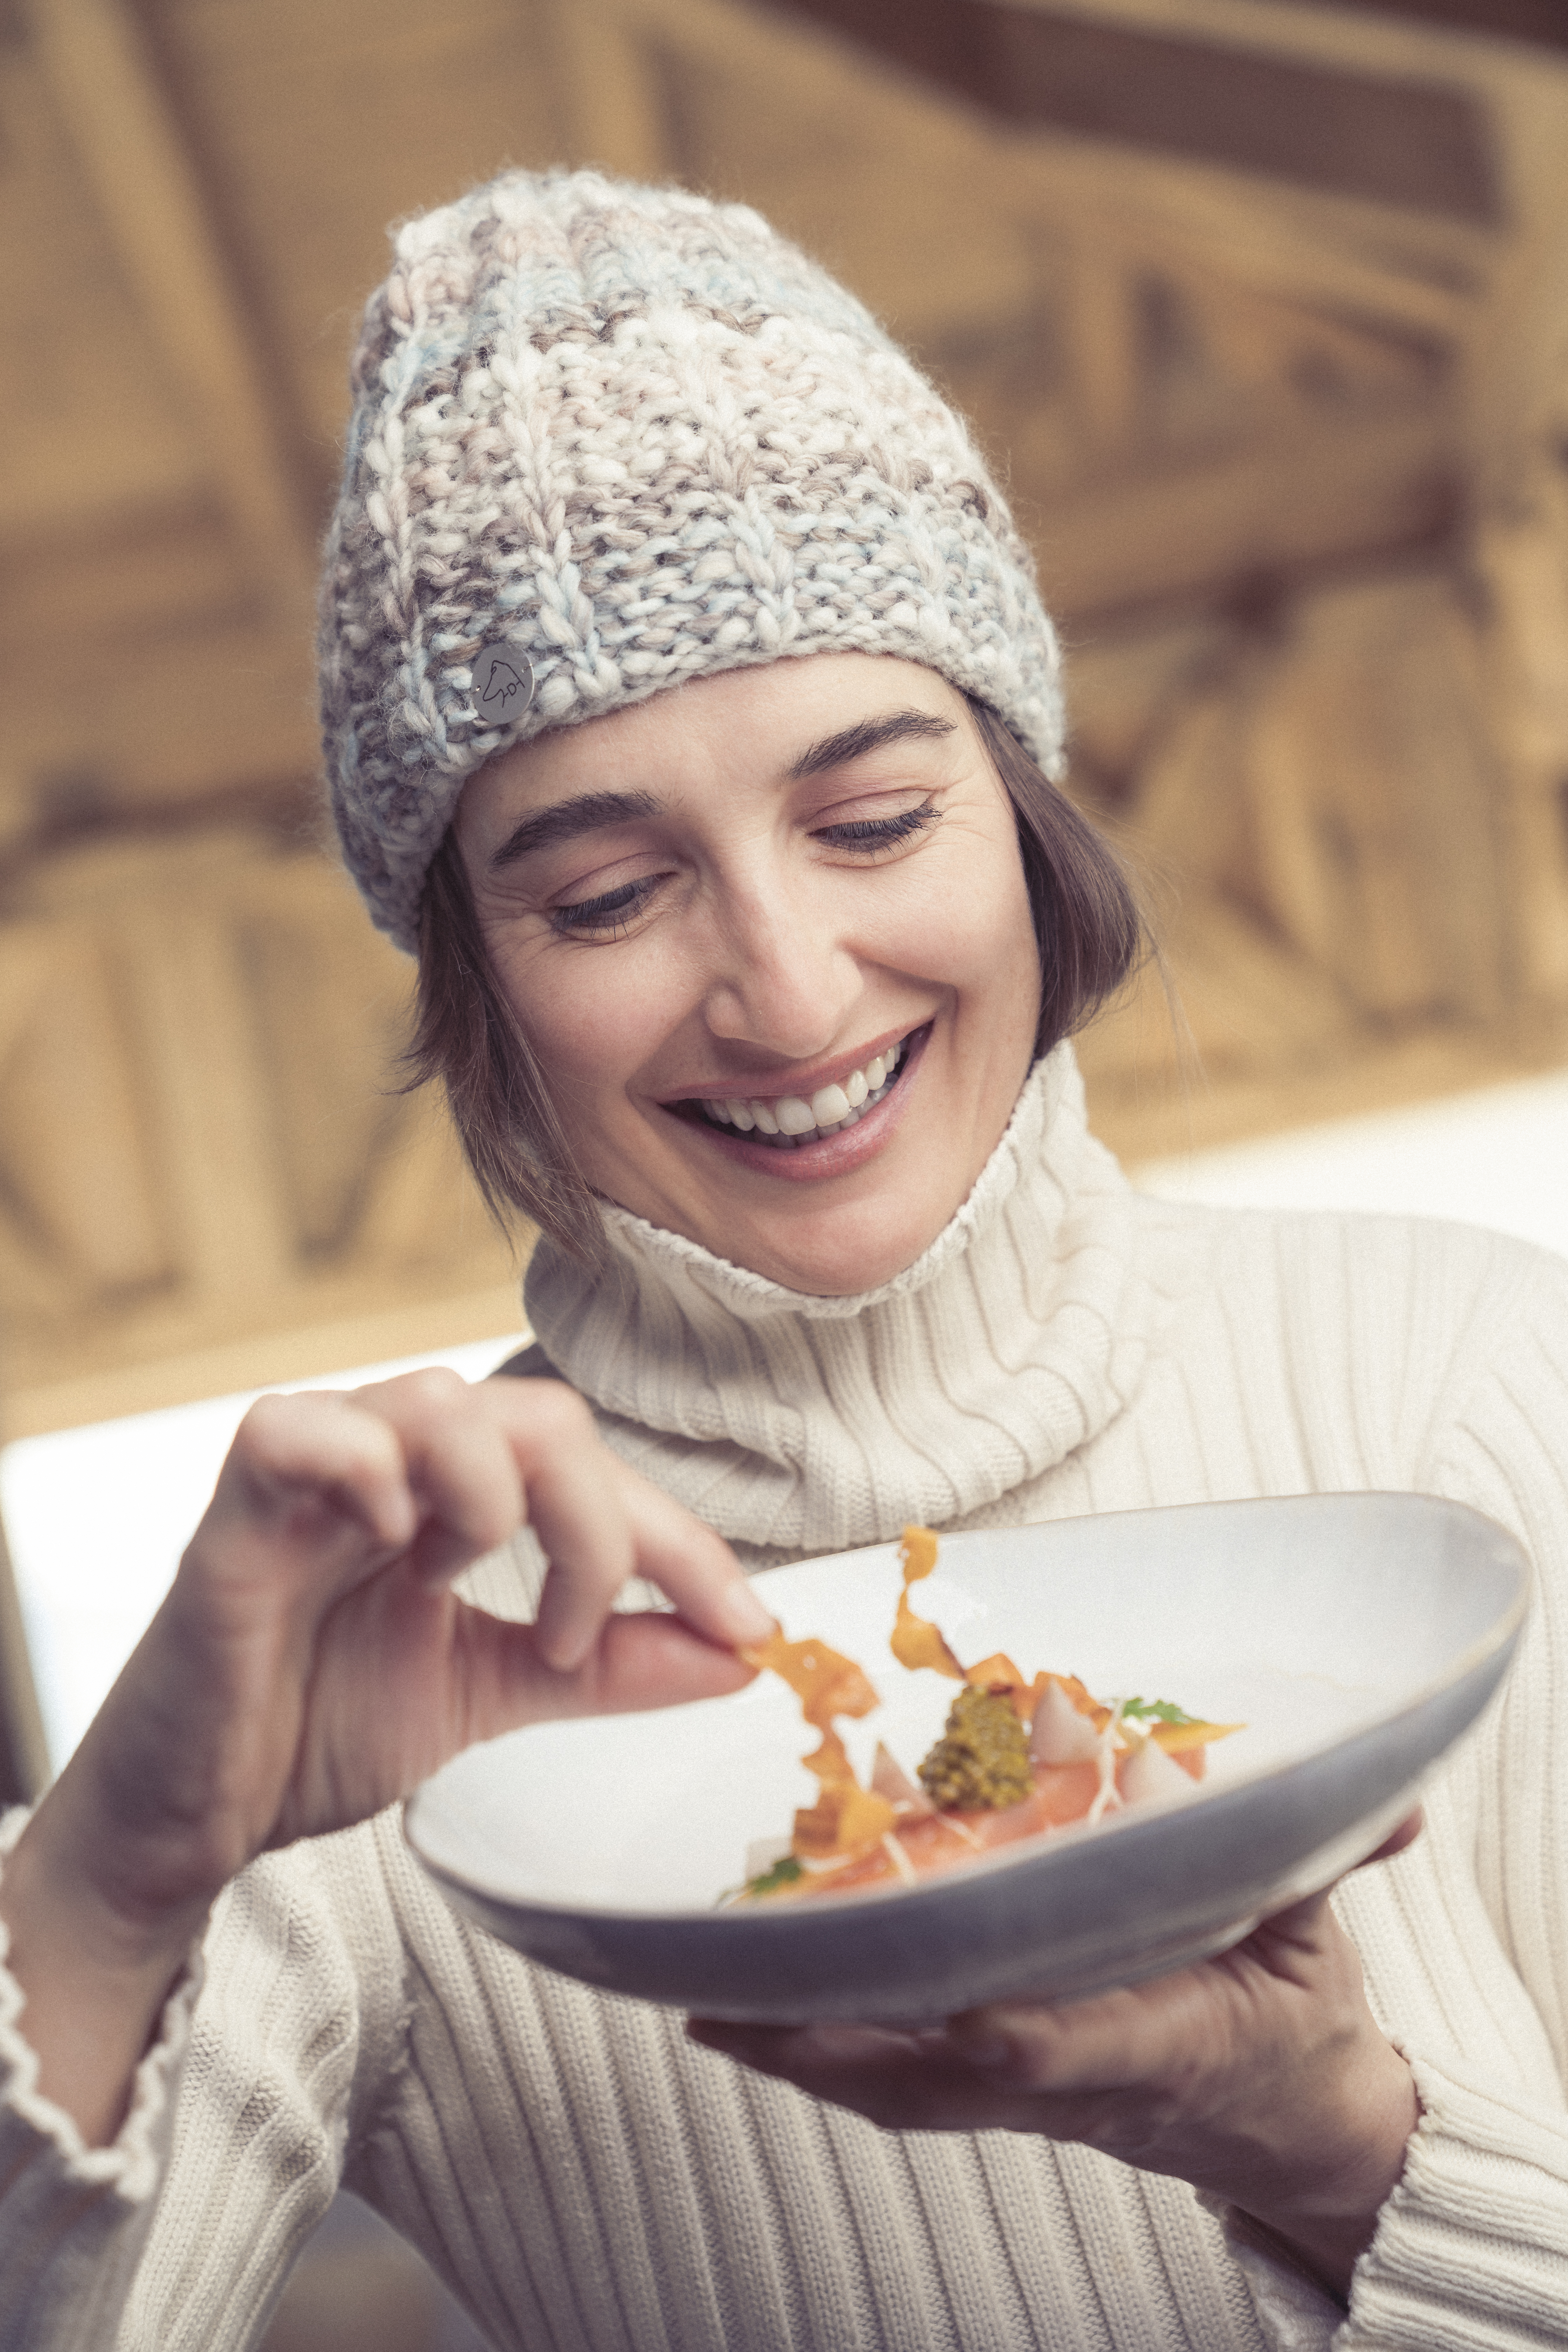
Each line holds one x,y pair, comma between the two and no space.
877,832
610,912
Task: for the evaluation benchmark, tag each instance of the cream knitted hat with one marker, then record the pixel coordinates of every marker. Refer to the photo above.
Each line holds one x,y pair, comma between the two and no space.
608,437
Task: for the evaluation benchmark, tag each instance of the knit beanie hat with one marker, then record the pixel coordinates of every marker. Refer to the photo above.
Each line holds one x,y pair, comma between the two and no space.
606,438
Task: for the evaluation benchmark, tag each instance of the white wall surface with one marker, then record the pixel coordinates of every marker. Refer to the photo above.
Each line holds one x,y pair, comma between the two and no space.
1497,1157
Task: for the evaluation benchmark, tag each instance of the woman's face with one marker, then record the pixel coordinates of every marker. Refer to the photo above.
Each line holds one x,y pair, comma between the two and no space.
769,937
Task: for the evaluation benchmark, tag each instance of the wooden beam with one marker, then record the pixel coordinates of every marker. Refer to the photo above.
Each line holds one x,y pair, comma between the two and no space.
1514,20
1420,144
1330,495
1514,406
1361,260
1518,358
612,102
132,155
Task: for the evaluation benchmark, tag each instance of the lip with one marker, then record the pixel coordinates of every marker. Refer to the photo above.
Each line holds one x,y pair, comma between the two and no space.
771,1086
831,1155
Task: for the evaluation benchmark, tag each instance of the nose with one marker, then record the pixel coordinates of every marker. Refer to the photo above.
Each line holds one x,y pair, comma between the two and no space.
782,978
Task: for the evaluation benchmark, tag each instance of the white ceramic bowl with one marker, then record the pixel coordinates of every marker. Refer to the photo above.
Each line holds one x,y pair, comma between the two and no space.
1356,1635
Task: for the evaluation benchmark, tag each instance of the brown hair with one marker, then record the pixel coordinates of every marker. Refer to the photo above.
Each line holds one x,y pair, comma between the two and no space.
1088,924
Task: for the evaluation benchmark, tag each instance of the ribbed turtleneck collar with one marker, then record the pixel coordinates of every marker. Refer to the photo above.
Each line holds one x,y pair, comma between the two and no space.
798,1424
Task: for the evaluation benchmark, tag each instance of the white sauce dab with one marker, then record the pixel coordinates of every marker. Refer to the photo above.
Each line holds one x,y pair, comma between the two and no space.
1108,1796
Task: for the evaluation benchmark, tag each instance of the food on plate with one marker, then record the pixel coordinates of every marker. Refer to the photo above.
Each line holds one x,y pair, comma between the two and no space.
844,1817
983,1756
1017,1757
915,1642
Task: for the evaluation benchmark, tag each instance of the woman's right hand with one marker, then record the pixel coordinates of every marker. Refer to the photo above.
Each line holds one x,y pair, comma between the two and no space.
311,1665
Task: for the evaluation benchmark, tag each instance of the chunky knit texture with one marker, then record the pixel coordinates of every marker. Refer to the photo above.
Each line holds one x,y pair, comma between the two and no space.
591,2182
635,437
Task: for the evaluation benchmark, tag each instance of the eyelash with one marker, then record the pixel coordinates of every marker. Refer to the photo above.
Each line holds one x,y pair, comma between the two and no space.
608,914
880,832
613,911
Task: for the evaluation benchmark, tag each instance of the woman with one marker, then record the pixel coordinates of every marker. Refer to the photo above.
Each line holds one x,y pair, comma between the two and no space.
691,707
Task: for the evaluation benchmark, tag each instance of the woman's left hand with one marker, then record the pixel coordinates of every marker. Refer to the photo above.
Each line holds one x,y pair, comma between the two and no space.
1260,2076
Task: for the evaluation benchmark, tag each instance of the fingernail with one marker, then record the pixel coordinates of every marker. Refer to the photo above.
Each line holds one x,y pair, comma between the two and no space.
563,1657
750,1621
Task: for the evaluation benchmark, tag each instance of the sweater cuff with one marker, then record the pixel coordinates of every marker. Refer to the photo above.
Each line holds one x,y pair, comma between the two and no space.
1294,2314
64,2202
1471,2249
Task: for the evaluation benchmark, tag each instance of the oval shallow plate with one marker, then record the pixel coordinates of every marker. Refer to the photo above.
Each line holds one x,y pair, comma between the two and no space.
1355,1635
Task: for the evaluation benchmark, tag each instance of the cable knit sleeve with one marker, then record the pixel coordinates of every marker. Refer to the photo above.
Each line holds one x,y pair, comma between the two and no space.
74,2220
178,2237
1472,2248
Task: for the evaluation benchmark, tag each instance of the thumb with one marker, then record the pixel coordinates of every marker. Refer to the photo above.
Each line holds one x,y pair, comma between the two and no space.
642,1660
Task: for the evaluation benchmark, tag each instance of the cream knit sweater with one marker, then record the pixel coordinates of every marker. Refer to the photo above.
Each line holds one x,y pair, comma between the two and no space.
589,2181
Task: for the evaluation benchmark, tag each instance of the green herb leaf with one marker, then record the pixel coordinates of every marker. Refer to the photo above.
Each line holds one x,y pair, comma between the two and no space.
784,1872
1157,1711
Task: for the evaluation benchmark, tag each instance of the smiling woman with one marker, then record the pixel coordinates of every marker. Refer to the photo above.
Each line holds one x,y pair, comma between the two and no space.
826,936
753,931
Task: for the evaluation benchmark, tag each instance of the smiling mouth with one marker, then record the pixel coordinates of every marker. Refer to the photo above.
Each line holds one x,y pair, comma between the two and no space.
787,1121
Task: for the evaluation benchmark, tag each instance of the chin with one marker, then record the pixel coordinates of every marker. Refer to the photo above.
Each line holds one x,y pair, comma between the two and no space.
822,1249
854,1256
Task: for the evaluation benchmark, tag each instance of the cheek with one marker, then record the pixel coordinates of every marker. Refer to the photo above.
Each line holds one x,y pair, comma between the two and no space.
975,931
1010,928
591,1019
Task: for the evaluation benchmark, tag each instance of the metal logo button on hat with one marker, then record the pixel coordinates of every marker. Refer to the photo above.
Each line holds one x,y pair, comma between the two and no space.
503,684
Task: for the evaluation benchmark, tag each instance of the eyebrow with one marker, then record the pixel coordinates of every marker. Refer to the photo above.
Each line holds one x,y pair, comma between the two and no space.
867,735
588,812
597,812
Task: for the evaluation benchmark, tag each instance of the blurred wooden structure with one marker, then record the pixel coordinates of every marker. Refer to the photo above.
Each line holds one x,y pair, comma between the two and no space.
1262,306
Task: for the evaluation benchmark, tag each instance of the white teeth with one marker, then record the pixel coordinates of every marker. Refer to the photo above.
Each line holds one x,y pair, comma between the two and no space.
830,1108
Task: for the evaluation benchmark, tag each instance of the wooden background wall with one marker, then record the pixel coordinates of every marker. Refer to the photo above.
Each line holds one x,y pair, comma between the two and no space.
1263,309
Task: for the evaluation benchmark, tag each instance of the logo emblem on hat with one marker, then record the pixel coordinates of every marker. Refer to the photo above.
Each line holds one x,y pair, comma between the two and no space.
503,684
